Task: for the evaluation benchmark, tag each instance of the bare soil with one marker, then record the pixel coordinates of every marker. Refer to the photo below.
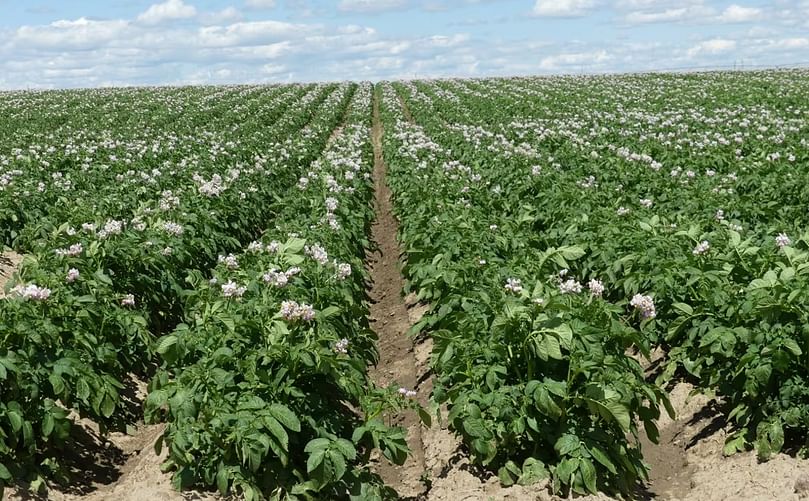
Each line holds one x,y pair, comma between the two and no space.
116,467
390,320
9,263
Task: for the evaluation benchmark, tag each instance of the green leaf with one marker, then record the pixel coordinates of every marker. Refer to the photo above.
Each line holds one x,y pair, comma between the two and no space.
683,308
476,428
533,471
328,312
508,473
425,417
47,425
588,474
602,458
315,459
734,444
346,448
615,410
571,252
222,482
565,469
166,343
5,475
552,346
338,463
15,419
57,383
792,346
317,444
277,431
566,444
285,416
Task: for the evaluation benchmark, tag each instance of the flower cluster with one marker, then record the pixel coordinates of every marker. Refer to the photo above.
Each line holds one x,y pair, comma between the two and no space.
230,289
341,346
343,270
280,278
317,253
596,287
173,228
513,285
32,292
782,240
72,275
701,248
72,251
111,227
645,304
229,261
570,286
292,310
407,393
128,300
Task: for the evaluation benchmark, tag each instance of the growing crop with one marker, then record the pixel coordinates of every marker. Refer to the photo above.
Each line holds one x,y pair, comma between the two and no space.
556,225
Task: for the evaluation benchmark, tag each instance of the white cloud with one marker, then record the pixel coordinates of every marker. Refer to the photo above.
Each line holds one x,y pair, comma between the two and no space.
260,4
80,34
695,12
738,14
715,46
656,17
563,8
169,10
575,60
368,6
226,15
250,33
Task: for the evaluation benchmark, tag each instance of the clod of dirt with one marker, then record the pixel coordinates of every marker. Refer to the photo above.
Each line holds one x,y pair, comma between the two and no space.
802,486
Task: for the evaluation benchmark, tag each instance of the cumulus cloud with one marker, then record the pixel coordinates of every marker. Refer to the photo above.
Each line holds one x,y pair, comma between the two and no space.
169,10
260,4
226,15
79,34
738,14
715,46
695,12
578,59
563,8
370,6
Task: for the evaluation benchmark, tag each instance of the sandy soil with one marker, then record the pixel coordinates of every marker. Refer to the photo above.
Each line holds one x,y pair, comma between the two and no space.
9,262
390,320
118,467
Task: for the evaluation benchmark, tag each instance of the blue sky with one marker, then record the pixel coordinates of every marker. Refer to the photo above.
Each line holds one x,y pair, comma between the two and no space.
46,44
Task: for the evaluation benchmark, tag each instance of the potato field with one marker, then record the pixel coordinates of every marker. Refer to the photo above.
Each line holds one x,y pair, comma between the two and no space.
505,288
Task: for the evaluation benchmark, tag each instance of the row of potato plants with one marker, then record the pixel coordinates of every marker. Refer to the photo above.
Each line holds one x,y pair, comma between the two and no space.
93,291
264,385
670,199
123,147
722,230
534,371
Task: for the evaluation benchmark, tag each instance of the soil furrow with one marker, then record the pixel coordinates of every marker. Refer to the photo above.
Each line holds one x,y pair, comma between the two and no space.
390,320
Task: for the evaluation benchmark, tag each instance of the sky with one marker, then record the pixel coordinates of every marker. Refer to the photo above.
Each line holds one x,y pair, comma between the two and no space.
95,43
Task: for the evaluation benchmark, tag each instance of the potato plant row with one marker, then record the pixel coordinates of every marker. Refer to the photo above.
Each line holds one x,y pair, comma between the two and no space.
534,371
264,384
94,291
679,203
